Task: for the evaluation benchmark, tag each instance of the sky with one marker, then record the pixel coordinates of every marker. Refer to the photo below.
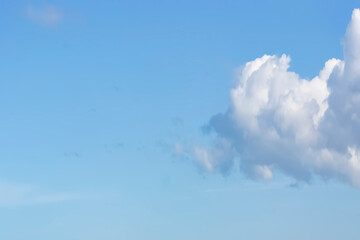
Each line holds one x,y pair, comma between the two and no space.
179,120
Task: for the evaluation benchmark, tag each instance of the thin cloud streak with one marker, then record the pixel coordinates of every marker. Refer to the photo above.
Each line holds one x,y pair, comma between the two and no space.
24,195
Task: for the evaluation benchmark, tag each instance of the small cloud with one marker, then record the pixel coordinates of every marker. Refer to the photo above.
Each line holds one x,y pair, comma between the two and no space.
176,149
219,158
48,15
262,172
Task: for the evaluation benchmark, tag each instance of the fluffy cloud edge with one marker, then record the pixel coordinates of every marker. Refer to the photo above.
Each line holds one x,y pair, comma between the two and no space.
279,121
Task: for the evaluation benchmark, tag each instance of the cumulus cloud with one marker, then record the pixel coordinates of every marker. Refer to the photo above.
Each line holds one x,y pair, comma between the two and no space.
48,15
279,121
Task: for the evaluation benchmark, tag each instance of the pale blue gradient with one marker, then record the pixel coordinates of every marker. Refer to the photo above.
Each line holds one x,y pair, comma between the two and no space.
90,108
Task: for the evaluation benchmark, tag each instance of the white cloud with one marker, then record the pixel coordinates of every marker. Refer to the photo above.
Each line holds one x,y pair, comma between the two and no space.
262,172
48,15
217,159
277,120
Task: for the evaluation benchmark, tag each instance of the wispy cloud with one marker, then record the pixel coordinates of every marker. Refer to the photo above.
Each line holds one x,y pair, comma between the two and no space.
47,15
23,195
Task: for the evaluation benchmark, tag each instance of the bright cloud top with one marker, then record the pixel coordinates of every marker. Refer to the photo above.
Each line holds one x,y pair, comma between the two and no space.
277,120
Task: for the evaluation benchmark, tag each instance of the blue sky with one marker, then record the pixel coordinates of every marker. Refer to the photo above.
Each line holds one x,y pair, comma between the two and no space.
140,120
